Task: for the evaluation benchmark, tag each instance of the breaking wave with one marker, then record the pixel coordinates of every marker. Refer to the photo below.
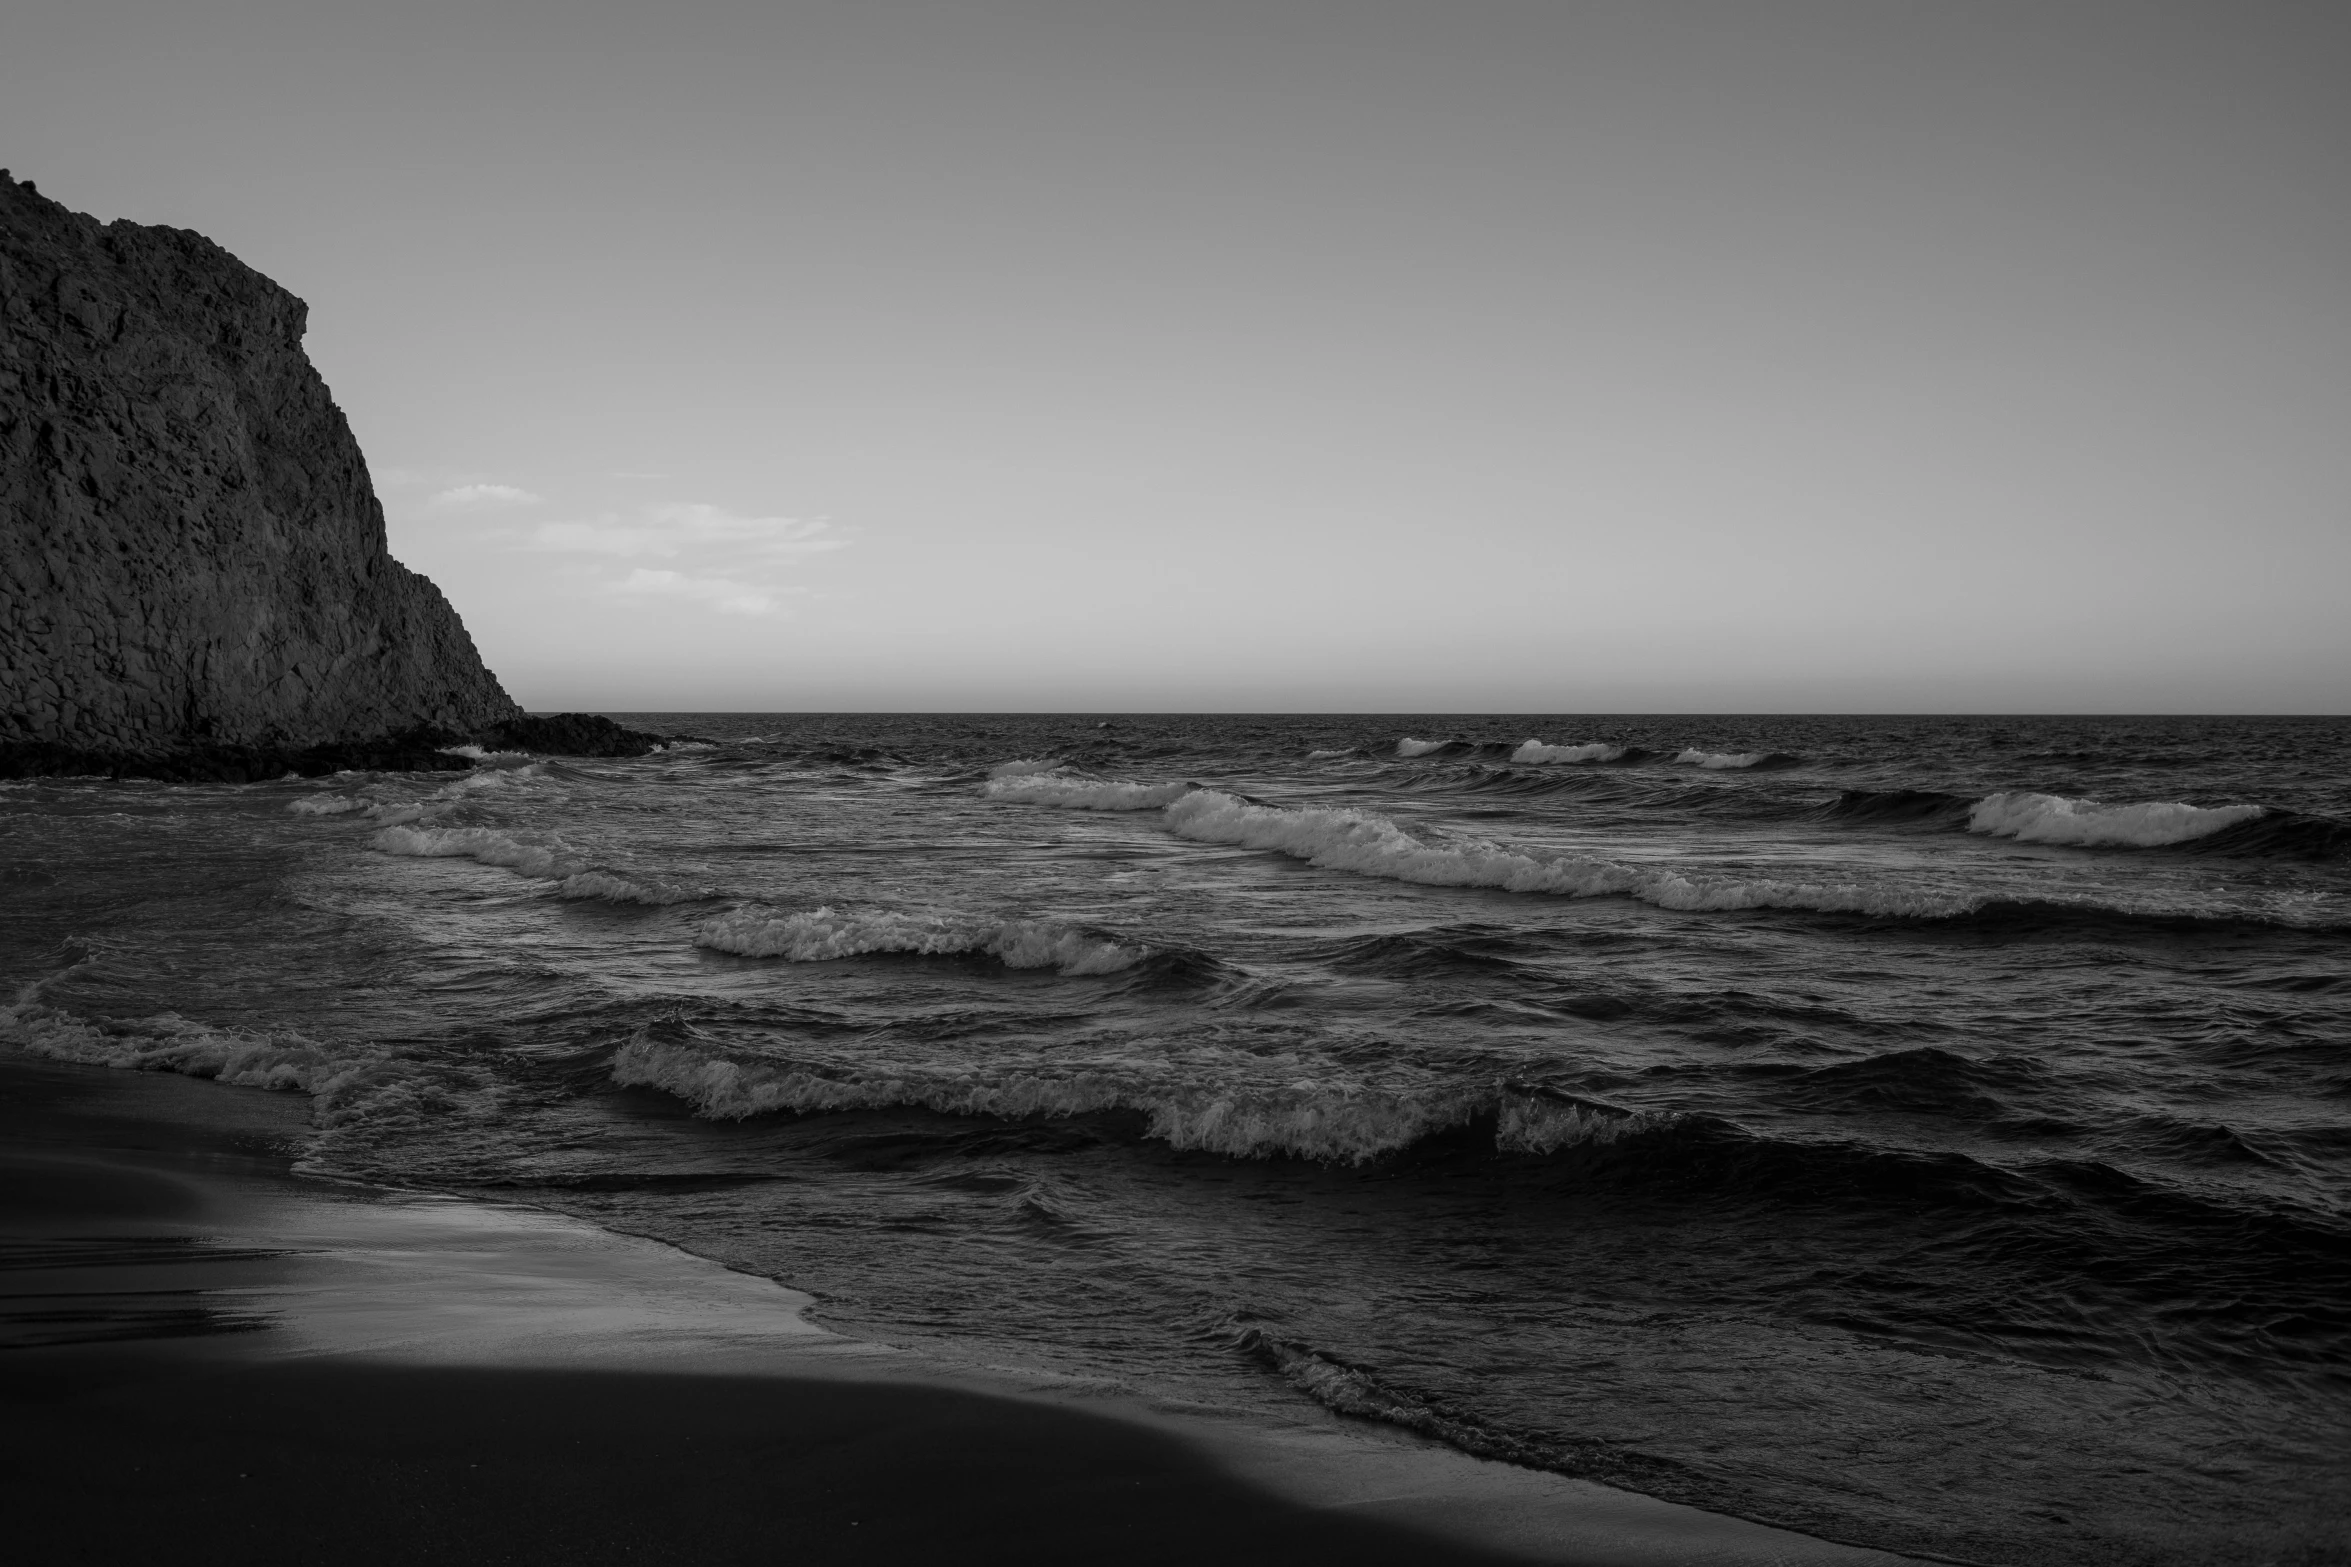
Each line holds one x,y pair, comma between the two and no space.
1370,844
1411,747
1330,755
347,1085
481,778
326,804
820,935
546,862
2048,818
2250,830
1720,760
1535,751
1333,1124
1374,845
1072,793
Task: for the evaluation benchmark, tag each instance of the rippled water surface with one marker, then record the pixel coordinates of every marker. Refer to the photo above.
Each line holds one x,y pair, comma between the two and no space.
1927,1132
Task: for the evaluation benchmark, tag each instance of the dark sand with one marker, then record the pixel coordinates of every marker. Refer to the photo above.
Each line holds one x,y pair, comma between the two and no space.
159,1403
332,1463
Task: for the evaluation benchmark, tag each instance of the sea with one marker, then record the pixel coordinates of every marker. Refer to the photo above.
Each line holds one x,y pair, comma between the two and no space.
1930,1133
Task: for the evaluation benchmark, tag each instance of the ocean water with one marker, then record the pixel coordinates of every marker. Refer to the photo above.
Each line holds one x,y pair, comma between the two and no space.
1930,1133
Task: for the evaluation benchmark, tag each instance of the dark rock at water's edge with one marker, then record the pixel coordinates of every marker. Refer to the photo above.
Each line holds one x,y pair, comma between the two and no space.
206,763
193,573
568,734
414,751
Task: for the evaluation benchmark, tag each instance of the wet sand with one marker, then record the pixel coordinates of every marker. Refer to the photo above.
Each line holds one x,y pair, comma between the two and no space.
206,1358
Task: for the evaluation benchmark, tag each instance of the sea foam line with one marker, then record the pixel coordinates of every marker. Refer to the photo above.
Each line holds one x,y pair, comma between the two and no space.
820,935
2049,818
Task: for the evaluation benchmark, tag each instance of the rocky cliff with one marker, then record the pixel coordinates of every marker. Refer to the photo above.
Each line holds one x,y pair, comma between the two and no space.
192,556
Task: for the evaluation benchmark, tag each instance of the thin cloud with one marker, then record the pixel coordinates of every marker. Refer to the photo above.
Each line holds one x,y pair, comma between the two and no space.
709,554
484,497
721,593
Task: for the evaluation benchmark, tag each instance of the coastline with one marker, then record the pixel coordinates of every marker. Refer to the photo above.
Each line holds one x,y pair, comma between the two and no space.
423,749
215,1357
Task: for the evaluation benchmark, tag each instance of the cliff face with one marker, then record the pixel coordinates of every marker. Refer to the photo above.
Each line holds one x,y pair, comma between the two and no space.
191,552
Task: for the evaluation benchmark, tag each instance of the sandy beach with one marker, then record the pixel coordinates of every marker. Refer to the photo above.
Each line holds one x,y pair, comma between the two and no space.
212,1359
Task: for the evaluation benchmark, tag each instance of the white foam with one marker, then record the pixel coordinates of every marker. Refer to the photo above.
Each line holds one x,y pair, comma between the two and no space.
1535,751
549,862
1022,767
1721,759
1327,756
1532,1124
819,935
1373,845
2047,818
726,1090
393,811
325,805
1336,1123
346,1085
499,778
1336,1127
1364,841
1411,747
1072,793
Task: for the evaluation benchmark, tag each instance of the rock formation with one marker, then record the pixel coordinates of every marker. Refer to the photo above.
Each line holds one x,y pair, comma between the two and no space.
193,573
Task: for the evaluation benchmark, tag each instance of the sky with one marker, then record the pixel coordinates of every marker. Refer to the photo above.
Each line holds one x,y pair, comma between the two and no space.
996,355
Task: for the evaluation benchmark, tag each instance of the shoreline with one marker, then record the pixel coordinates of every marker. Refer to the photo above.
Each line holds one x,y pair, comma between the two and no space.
421,749
430,1377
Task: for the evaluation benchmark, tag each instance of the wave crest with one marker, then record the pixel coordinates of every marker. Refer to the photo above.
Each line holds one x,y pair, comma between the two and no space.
1721,760
325,804
2049,818
546,862
1535,751
1369,844
347,1085
1072,793
823,934
1334,1124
